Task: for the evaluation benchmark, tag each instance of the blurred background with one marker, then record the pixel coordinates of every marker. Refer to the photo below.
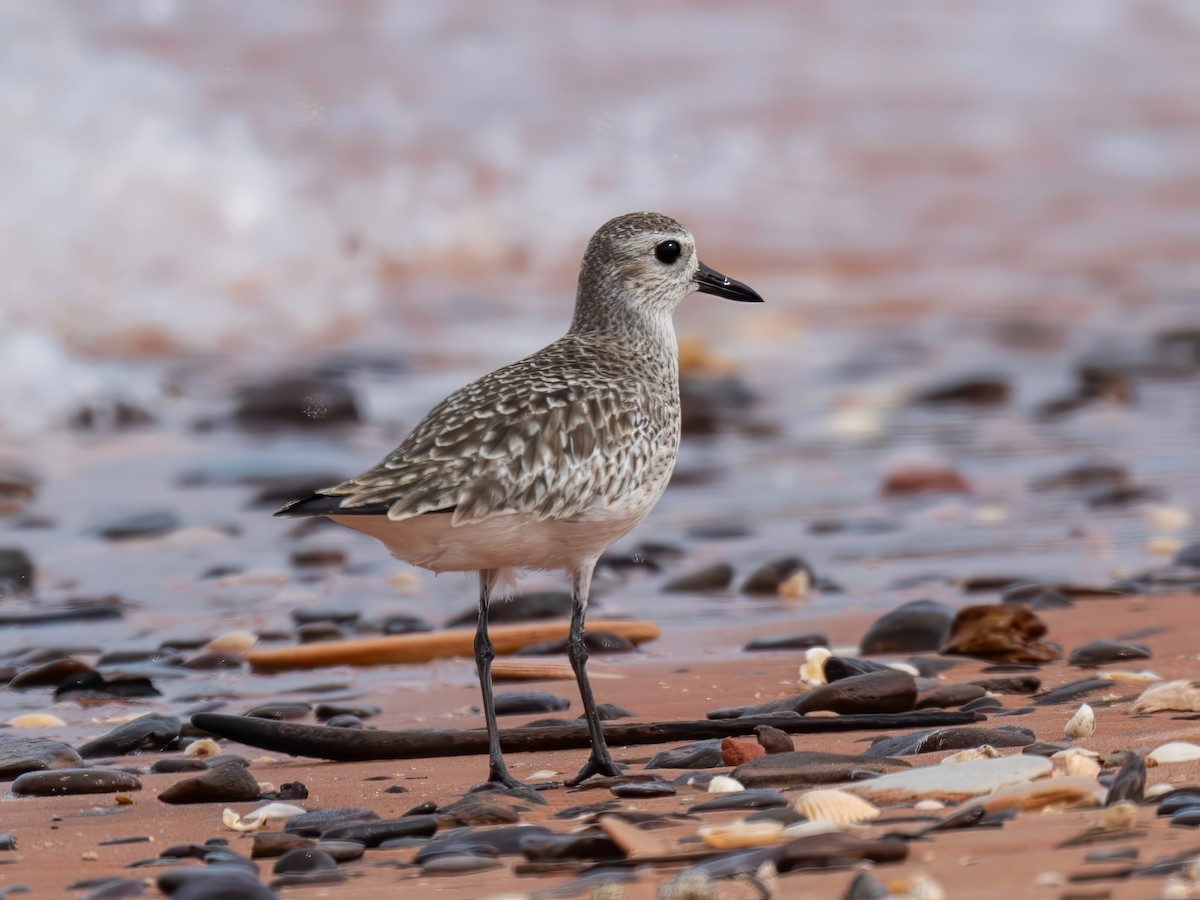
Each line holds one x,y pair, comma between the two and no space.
243,246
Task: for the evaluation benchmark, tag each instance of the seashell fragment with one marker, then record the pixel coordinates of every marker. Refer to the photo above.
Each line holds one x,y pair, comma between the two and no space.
1174,752
813,670
1180,696
236,642
1143,677
739,835
1076,761
723,784
984,751
1065,792
35,720
202,749
1082,724
835,806
261,817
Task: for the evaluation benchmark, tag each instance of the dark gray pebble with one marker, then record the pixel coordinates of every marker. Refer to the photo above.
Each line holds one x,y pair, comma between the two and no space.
1111,854
326,711
788,642
597,642
477,809
1189,556
459,864
8,841
965,737
94,686
803,767
968,390
177,764
306,615
226,759
280,712
1044,748
773,740
16,571
304,859
153,731
214,660
1099,653
116,889
315,632
579,845
139,525
1035,595
216,882
48,674
519,703
272,844
404,624
888,691
1020,684
750,799
19,754
291,791
322,557
949,696
1178,799
643,790
700,755
716,577
838,667
83,609
223,784
609,712
1073,691
342,851
304,401
1187,817
372,834
766,579
74,781
911,628
983,704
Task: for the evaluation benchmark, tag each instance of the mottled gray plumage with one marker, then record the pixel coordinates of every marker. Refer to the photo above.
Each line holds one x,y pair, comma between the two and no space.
546,462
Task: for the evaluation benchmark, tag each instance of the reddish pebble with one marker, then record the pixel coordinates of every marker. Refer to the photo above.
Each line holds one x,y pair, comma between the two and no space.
925,479
735,751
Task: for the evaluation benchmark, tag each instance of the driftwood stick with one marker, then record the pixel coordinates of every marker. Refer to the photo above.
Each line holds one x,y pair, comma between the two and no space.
419,648
351,745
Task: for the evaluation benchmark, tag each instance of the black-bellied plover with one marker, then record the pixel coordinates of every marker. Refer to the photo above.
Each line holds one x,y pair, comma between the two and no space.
544,463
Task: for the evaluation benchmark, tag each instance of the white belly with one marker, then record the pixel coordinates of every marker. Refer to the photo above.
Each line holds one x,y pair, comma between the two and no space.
511,541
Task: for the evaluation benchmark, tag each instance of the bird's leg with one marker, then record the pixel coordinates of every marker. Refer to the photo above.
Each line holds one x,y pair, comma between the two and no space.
600,762
498,773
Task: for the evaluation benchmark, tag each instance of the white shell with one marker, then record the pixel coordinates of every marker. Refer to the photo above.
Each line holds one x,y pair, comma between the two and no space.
232,642
1082,724
1120,677
202,749
985,751
1180,696
740,834
835,806
813,670
272,812
723,784
1076,761
1174,751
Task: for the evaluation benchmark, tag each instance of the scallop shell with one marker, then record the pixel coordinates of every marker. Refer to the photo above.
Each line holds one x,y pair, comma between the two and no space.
835,806
1174,751
813,670
738,835
1082,724
723,784
1180,696
1076,761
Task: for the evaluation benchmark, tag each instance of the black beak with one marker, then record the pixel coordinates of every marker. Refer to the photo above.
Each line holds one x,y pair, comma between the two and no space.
710,281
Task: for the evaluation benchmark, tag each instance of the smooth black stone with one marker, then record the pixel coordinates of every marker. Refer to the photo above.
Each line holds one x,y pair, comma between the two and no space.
522,608
1044,748
309,879
291,791
1020,684
1099,653
1073,691
64,782
93,685
802,767
424,808
315,632
840,667
716,577
223,784
477,809
325,711
156,655
215,882
966,737
272,844
459,864
887,691
405,624
1111,854
1180,798
504,840
1082,476
969,390
1187,817
949,696
372,834
19,754
153,732
597,642
784,815
226,759
1189,556
300,400
749,799
520,703
215,660
581,845
280,712
911,628
643,790
766,579
700,755
139,525
306,614
345,722
608,712
48,674
8,841
342,851
132,839
1035,595
396,789
83,609
115,889
304,859
983,704
16,571
784,706
789,642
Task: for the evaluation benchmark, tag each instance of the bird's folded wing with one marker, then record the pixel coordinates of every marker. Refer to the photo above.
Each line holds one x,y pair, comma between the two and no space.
541,446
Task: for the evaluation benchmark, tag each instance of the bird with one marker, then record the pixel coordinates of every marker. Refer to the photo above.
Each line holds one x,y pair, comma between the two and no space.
545,463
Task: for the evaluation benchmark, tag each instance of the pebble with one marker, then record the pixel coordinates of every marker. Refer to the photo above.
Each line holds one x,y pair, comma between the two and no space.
153,731
20,754
1099,653
326,711
213,882
271,844
298,400
910,628
405,624
716,577
153,523
372,834
769,578
948,696
970,390
1189,555
923,479
304,859
1072,691
699,755
520,703
342,851
788,642
887,691
773,740
59,782
83,609
1180,798
952,784
591,844
459,864
313,824
743,799
597,642
643,790
735,751
740,835
530,607
48,674
227,783
280,712
477,810
115,889
175,765
999,633
16,571
803,767
934,740
1035,595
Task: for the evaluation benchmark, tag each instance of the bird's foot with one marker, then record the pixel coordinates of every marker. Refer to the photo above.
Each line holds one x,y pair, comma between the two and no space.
602,764
502,782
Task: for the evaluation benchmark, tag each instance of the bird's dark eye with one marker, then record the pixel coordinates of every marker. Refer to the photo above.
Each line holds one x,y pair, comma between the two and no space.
668,251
